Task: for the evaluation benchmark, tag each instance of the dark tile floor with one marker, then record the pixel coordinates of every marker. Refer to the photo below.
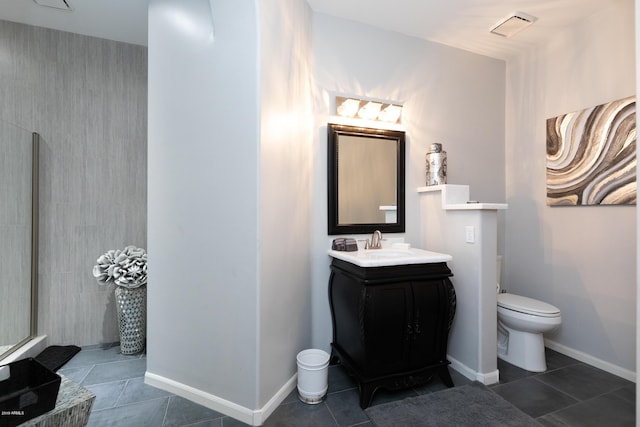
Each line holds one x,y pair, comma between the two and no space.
570,393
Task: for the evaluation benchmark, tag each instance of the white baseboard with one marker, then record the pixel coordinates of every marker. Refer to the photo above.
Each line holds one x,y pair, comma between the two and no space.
489,378
485,378
590,360
246,415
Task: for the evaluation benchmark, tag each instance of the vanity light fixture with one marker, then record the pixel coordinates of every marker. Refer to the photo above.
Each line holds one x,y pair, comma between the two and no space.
512,24
368,110
348,107
390,114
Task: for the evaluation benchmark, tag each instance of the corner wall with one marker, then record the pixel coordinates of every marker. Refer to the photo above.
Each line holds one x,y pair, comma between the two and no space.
580,259
229,201
285,192
203,198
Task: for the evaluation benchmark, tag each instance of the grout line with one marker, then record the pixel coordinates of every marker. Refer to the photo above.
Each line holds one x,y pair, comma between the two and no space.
126,384
130,404
333,417
342,390
195,423
558,390
559,409
138,402
166,410
86,375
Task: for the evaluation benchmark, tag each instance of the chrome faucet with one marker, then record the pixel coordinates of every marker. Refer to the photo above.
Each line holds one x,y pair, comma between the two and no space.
375,242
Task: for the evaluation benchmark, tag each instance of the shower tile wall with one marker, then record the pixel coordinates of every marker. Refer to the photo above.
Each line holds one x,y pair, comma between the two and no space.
87,97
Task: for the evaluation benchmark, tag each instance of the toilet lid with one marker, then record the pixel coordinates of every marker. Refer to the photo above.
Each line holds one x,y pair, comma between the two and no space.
527,305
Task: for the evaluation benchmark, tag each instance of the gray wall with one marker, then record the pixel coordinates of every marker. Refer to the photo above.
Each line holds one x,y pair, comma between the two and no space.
580,259
286,136
87,98
229,167
443,103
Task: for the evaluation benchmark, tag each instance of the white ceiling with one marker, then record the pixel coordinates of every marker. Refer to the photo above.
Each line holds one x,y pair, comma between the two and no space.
465,24
460,23
121,20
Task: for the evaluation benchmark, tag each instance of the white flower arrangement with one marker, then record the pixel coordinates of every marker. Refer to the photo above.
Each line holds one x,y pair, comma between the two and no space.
125,267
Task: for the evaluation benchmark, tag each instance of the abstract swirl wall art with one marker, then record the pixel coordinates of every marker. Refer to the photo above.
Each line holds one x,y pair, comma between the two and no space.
591,156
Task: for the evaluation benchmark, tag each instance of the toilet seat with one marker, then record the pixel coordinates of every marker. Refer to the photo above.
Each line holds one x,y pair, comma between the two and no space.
527,305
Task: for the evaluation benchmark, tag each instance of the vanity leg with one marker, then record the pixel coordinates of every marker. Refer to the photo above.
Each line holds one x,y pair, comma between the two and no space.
366,394
445,376
334,359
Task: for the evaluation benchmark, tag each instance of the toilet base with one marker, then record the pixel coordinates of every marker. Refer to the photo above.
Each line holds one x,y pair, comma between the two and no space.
523,349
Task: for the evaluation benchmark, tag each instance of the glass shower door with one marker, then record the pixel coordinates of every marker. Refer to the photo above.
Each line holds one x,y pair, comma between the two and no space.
18,232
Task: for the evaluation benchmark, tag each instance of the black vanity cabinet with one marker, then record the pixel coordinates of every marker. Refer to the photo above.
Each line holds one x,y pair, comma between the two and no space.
391,324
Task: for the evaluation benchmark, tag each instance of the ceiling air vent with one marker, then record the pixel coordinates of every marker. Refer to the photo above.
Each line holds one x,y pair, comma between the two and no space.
513,24
56,4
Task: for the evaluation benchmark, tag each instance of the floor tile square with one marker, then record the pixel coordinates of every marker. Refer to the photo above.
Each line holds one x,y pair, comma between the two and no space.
148,413
114,371
627,393
75,374
509,372
107,394
339,379
291,397
232,422
583,381
557,360
606,410
93,356
345,407
211,423
533,397
136,391
300,414
182,412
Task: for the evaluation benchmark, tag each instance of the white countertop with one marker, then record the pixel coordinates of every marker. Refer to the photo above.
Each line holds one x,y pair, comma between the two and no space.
390,257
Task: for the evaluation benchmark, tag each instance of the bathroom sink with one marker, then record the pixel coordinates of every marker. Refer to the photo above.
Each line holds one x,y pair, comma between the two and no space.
390,256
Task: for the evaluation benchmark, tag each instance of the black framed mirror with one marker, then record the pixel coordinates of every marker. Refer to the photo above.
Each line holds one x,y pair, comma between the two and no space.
366,169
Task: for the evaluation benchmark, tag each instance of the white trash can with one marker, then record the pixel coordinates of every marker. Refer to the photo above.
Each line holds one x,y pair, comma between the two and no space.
313,370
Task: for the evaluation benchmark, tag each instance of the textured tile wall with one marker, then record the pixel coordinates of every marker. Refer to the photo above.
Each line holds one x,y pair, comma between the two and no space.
87,97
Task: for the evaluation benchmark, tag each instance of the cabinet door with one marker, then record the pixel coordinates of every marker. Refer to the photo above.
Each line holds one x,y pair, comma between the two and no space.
388,322
430,332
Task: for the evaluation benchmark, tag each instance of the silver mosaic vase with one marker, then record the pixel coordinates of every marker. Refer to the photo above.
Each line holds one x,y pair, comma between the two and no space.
132,318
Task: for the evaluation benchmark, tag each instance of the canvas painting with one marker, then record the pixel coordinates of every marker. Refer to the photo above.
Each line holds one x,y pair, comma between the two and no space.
591,156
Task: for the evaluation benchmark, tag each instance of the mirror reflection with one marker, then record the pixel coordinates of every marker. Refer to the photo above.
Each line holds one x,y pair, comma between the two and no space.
366,180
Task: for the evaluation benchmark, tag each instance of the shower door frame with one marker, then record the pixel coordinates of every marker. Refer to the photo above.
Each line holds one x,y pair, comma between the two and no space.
35,176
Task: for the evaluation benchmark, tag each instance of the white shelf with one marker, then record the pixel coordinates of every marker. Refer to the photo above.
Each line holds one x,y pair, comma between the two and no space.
456,197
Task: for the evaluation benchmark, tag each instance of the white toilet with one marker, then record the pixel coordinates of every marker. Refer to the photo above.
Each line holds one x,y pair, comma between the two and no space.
522,322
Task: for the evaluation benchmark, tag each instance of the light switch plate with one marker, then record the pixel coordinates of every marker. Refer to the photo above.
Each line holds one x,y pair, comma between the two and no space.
470,234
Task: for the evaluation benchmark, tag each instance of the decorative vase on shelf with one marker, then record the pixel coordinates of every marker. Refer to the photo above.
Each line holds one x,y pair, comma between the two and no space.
131,305
127,269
